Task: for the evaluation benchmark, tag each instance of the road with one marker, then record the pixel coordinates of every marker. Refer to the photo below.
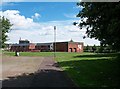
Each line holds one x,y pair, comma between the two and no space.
33,72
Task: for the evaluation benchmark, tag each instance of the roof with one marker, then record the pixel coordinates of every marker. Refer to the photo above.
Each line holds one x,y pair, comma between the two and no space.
43,44
69,42
24,40
27,44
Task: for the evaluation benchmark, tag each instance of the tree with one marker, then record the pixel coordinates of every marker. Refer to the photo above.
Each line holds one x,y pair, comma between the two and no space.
5,26
102,22
87,48
94,48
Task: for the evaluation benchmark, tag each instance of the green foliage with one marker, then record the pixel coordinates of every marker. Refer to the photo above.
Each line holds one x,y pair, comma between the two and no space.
105,49
91,48
102,22
94,48
5,26
87,48
99,49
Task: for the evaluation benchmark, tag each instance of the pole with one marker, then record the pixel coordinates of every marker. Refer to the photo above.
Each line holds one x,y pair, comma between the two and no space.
54,41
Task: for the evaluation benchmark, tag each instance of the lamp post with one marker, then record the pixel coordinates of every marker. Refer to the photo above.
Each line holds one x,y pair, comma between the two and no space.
54,41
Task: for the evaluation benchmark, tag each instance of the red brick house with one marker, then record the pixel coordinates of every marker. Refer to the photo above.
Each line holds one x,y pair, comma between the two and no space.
25,46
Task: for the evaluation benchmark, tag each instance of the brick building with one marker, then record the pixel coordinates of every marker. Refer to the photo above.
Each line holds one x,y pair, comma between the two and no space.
69,47
25,45
22,47
44,47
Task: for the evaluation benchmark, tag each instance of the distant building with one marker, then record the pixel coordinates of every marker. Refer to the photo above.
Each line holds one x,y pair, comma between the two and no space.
69,46
25,45
22,47
44,47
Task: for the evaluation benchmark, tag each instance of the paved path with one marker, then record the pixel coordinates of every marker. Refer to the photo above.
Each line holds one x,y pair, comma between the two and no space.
48,75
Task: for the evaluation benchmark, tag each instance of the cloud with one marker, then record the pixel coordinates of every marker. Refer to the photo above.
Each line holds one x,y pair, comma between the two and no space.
13,0
41,0
70,15
26,28
19,22
36,16
7,3
78,7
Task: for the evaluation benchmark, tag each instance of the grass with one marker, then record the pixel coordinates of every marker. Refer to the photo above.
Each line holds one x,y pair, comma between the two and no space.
29,53
85,69
90,69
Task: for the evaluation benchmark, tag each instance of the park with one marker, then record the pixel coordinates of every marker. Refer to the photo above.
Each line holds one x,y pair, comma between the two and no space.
85,69
71,45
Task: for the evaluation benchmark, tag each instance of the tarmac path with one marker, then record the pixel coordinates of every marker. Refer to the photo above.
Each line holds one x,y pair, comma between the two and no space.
46,73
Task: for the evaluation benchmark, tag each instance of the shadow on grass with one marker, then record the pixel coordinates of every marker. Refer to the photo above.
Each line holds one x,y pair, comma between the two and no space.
99,55
93,73
43,78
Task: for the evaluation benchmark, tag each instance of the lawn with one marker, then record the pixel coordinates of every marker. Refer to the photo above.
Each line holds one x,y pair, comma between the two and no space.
29,53
90,69
85,69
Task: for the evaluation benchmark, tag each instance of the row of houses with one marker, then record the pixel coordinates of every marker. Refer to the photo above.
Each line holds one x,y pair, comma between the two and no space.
26,46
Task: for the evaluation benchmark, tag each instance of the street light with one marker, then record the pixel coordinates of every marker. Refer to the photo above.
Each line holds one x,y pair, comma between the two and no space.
54,40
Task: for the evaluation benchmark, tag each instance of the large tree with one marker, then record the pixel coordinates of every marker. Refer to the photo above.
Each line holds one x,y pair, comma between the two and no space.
102,21
5,26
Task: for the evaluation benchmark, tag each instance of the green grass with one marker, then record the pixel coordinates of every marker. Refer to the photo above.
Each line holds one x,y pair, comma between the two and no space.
91,70
29,53
85,69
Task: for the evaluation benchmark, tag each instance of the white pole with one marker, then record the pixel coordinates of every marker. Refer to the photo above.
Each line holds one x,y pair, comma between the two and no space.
54,41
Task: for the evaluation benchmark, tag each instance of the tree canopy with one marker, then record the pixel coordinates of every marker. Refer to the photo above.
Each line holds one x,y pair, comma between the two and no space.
102,21
5,26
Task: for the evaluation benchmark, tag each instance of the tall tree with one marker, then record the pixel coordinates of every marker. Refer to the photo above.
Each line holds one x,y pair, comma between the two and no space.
5,26
102,21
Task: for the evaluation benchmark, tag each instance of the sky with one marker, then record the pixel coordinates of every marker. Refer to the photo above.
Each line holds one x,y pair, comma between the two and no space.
35,21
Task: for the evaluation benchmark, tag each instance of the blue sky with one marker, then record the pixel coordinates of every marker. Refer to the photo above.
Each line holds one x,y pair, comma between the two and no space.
49,11
35,21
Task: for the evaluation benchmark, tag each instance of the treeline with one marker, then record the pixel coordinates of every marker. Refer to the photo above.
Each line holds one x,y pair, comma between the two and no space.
99,49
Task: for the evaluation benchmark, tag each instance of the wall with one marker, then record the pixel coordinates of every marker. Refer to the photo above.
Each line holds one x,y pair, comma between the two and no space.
19,48
75,47
31,46
22,48
61,47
